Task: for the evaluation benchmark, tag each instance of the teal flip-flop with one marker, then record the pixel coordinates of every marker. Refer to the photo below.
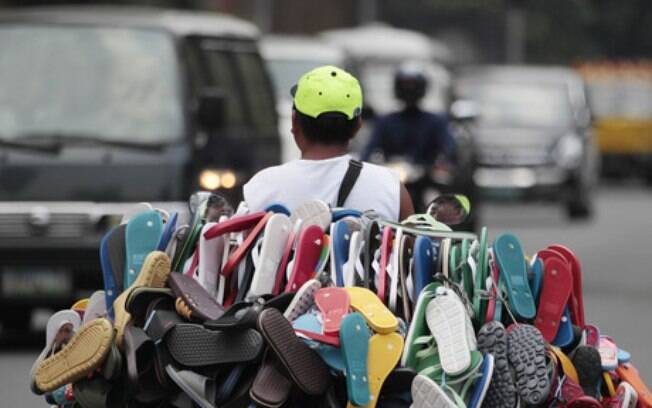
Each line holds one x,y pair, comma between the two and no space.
142,236
354,340
513,272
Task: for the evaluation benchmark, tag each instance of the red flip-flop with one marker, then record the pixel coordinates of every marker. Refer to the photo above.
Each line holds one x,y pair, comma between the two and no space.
242,250
385,250
556,290
280,273
576,300
306,257
235,224
491,304
333,303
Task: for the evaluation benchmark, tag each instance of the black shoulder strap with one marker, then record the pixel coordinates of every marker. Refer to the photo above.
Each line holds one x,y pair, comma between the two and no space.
351,176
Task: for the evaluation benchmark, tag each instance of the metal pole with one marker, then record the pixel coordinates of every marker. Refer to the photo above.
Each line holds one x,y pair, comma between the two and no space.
515,35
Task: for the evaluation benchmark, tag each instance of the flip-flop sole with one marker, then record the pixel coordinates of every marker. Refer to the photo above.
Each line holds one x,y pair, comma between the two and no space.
511,262
306,257
202,305
304,365
85,352
384,354
271,388
423,262
373,310
492,339
153,274
341,237
527,355
556,290
354,342
275,236
333,303
194,346
586,360
178,377
446,317
303,300
142,235
427,394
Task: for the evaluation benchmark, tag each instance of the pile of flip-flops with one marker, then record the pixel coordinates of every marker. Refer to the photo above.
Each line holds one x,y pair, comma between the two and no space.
328,308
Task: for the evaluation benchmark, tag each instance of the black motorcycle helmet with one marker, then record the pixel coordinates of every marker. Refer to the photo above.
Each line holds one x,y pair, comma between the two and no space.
410,85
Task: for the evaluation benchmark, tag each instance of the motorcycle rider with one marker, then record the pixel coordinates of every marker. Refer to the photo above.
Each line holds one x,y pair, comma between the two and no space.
420,136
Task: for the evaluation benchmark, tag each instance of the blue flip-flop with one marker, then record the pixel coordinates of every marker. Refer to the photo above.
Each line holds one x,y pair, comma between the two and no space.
111,288
340,240
513,272
623,356
168,232
481,385
536,279
332,356
354,342
278,208
423,263
345,212
141,237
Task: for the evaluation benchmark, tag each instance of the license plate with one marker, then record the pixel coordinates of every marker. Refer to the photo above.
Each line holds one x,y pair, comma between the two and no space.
36,282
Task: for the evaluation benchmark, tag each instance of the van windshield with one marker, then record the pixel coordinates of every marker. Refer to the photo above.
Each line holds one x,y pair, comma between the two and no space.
113,84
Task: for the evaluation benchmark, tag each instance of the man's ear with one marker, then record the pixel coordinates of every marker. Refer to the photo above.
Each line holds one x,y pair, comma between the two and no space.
293,128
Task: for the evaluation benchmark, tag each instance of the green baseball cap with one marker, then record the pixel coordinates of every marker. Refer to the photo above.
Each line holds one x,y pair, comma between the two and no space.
328,89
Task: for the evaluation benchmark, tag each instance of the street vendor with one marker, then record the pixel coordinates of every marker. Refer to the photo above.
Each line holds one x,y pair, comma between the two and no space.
326,115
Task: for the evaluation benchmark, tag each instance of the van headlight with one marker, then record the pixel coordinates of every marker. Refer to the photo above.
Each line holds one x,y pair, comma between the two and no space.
568,151
212,179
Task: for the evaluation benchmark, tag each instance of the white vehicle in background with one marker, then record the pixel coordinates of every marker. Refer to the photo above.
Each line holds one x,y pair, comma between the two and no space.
287,58
377,50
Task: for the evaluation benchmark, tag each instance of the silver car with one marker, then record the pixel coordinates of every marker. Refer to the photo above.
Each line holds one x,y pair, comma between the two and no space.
533,135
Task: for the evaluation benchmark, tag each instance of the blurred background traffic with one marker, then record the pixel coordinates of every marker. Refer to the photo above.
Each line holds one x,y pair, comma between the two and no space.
540,112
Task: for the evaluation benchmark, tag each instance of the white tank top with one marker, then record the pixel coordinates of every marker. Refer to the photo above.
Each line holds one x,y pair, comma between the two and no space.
297,181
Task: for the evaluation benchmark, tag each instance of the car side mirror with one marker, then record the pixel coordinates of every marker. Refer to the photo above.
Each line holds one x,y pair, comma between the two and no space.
211,110
464,110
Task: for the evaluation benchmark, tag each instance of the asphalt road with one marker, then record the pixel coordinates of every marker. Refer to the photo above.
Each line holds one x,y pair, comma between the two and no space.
615,250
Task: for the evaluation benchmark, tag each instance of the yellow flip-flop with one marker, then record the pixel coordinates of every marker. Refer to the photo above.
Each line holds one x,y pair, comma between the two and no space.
566,364
384,354
153,274
377,315
85,352
80,305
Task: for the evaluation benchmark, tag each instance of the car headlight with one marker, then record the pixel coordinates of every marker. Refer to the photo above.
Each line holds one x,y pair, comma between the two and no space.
568,151
212,179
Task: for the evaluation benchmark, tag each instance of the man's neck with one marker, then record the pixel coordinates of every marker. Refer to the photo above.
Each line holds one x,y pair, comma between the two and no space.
322,152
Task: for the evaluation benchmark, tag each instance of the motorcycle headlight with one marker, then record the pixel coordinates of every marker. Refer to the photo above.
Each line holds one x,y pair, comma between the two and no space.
212,179
568,151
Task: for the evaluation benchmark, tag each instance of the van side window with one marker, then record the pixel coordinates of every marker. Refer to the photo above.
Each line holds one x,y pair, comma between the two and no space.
258,92
212,65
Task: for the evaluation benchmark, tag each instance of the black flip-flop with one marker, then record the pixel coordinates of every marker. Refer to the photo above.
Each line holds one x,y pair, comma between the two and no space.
193,345
117,253
527,356
588,365
142,380
271,387
305,367
200,306
142,300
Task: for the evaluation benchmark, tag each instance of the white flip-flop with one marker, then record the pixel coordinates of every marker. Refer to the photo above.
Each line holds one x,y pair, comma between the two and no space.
353,263
210,260
447,320
303,300
312,212
393,268
275,237
55,323
96,307
428,394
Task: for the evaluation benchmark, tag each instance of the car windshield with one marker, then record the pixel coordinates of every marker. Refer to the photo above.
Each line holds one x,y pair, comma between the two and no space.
507,104
113,84
286,72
